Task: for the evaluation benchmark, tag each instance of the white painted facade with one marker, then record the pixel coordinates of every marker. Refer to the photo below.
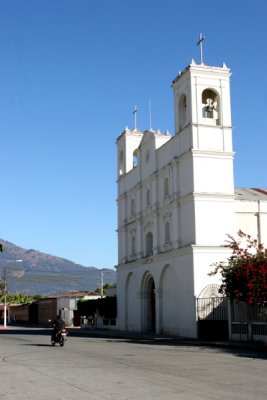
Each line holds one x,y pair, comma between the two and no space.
176,203
66,307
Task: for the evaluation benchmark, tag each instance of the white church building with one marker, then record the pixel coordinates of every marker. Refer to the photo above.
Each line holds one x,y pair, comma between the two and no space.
176,204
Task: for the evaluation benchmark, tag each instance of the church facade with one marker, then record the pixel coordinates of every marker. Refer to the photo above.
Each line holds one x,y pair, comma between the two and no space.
177,203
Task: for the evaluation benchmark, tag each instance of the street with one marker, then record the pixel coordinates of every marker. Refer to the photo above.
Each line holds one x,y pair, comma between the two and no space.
124,369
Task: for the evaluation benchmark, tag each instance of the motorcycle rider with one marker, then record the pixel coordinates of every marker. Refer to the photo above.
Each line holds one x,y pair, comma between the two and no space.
57,325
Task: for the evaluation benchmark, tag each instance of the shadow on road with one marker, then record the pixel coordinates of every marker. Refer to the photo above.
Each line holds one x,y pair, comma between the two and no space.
37,345
253,350
250,350
27,331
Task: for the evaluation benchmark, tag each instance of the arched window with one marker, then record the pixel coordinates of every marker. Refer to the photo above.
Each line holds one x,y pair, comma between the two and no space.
135,158
132,207
149,244
148,202
167,232
210,105
166,187
182,111
121,163
133,244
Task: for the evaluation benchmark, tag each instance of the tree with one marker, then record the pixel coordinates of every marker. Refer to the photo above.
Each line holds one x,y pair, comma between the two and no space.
18,298
2,289
244,275
105,287
106,307
1,247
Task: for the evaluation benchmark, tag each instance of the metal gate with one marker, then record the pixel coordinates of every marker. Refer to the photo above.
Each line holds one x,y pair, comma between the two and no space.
212,317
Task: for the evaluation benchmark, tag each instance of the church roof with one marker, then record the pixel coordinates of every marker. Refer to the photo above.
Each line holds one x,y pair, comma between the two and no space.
251,194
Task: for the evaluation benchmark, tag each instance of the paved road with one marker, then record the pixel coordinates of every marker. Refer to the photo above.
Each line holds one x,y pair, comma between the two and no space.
109,369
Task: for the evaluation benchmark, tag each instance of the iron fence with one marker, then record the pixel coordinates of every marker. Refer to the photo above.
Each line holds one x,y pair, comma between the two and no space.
242,312
212,308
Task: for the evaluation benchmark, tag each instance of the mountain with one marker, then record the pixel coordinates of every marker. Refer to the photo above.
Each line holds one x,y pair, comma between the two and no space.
40,273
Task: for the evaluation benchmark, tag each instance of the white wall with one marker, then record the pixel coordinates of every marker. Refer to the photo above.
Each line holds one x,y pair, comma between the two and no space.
65,307
200,207
174,288
251,218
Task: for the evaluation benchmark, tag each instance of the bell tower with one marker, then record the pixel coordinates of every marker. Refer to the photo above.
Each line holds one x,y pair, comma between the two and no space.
202,102
127,149
203,125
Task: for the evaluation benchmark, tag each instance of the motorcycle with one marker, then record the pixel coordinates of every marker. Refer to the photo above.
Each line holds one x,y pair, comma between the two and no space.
59,337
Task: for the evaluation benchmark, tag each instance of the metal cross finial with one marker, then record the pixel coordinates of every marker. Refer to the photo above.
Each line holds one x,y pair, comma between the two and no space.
150,118
134,113
199,43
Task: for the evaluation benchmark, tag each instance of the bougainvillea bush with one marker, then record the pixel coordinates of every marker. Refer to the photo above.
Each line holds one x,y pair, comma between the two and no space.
244,275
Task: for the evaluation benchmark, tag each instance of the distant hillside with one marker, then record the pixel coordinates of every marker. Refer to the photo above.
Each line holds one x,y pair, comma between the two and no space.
41,273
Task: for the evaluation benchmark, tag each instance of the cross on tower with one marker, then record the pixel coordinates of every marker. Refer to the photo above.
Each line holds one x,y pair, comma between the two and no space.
199,43
134,113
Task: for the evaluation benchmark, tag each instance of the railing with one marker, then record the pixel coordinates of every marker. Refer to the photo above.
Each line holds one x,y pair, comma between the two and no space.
248,322
243,312
212,308
98,323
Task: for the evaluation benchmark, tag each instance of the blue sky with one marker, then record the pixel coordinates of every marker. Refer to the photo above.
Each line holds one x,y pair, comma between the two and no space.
71,72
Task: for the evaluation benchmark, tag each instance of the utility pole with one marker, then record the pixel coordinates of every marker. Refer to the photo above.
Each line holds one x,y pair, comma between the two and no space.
102,283
3,287
5,290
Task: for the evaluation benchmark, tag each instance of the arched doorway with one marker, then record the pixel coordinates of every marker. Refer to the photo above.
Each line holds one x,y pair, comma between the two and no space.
149,305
